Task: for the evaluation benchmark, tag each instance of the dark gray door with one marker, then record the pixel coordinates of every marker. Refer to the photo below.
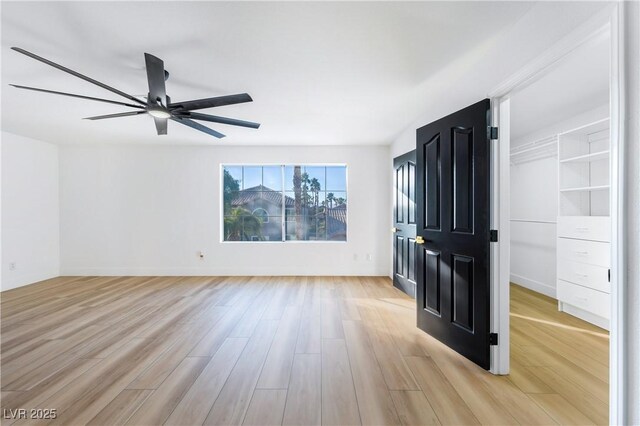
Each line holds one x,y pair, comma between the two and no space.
404,227
453,220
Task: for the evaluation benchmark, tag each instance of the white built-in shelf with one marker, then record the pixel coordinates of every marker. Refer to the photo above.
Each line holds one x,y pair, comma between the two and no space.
586,188
601,155
583,226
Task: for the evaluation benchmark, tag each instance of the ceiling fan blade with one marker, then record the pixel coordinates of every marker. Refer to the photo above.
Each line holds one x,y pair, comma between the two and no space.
197,126
77,74
120,114
161,125
155,77
76,96
211,102
223,120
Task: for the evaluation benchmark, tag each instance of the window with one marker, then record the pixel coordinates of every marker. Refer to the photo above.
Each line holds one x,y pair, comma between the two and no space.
261,214
284,203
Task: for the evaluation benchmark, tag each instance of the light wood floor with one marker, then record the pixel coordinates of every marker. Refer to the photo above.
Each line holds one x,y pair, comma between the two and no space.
280,350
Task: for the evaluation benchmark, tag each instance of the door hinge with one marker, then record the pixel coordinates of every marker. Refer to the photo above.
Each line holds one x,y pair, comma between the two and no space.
493,235
493,339
492,133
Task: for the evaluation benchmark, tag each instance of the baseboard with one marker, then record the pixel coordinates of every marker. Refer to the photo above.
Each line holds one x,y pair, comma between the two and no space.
27,278
208,271
534,285
584,315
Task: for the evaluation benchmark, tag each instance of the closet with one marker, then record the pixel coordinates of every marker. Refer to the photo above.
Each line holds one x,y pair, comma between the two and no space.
560,184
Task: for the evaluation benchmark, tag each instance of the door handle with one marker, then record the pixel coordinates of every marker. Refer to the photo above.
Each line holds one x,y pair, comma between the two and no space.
419,240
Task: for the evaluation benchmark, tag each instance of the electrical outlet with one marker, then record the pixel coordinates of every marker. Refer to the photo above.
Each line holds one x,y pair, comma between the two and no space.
12,266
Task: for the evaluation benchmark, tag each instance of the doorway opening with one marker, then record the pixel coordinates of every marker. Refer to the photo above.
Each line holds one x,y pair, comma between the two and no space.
560,232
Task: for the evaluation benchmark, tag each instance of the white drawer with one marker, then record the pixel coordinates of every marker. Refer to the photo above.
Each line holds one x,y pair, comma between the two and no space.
596,228
591,252
595,277
587,299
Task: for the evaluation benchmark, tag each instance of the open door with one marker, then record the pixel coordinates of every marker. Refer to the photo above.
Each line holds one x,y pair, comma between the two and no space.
404,223
453,233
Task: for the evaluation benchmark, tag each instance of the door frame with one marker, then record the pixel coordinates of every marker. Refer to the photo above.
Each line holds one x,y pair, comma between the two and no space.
610,20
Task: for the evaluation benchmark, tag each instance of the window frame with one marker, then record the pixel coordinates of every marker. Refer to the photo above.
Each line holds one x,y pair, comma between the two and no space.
284,221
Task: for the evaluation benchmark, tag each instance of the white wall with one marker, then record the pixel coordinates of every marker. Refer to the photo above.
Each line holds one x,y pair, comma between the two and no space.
471,77
132,210
30,211
534,196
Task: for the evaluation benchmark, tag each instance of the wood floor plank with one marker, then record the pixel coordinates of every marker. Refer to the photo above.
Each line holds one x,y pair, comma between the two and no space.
252,317
84,398
212,341
413,408
582,399
277,367
561,349
524,379
561,410
197,402
159,405
304,397
396,373
157,372
446,402
482,402
331,319
49,387
121,408
266,408
374,399
541,357
310,334
232,403
512,399
340,405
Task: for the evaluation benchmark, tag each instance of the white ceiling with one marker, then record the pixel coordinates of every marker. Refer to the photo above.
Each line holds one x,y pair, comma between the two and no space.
578,83
323,73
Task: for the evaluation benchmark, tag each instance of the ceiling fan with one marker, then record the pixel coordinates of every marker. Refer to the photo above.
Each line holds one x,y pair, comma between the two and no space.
157,104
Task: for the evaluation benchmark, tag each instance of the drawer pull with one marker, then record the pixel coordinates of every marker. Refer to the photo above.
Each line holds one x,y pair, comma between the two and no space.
582,228
582,275
582,252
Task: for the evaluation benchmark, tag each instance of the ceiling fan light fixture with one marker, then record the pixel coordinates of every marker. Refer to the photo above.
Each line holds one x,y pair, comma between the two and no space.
158,104
159,113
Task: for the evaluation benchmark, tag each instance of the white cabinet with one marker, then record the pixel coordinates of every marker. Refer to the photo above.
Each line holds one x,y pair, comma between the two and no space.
584,226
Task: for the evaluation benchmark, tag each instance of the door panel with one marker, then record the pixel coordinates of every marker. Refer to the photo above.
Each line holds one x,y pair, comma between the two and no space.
452,175
405,218
399,269
411,185
432,183
411,259
462,185
463,291
400,204
432,277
